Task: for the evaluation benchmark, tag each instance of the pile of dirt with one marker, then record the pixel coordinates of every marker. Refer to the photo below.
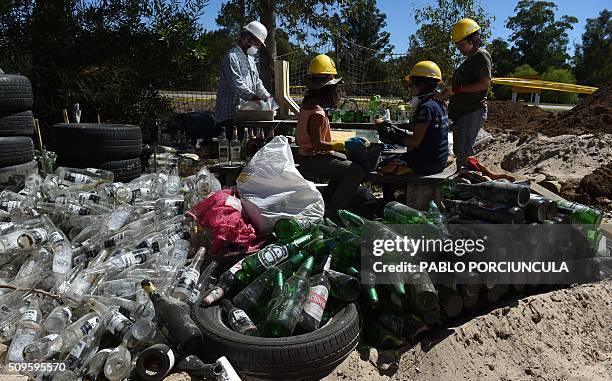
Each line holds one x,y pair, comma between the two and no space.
592,115
505,116
564,158
593,189
561,335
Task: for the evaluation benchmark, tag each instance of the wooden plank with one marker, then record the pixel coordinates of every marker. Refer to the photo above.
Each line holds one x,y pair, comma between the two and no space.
545,192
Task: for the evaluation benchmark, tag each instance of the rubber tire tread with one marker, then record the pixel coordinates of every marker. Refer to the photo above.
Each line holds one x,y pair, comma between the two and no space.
15,150
309,356
15,93
100,142
124,170
18,124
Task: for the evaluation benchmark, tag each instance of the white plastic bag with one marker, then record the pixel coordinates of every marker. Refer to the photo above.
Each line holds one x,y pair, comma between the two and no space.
272,188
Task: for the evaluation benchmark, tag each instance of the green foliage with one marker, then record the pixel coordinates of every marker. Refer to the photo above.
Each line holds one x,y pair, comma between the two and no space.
539,38
561,76
503,61
593,58
111,56
432,41
523,71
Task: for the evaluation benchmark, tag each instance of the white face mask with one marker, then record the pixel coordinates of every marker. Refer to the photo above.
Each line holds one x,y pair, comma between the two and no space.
252,50
415,101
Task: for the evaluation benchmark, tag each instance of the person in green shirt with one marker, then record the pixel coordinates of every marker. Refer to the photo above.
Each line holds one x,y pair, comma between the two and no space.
467,106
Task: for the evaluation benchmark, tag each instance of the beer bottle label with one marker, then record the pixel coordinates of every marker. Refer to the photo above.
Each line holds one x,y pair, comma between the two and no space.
304,224
236,267
38,235
78,178
271,255
119,325
56,237
241,318
76,209
316,301
67,313
195,294
9,205
89,325
84,197
30,315
75,354
188,279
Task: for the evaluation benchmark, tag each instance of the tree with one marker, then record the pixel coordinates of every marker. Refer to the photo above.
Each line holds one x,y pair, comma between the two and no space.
432,40
561,76
501,55
539,38
593,57
111,56
523,71
365,43
295,17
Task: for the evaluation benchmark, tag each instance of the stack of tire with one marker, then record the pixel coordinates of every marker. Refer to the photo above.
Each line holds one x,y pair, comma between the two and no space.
113,147
16,129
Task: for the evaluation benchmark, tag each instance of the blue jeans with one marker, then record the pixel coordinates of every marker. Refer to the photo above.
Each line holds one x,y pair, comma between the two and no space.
465,129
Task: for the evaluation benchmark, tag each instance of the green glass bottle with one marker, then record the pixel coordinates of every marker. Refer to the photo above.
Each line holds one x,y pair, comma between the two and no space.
398,213
316,300
579,213
352,221
283,318
253,297
291,228
319,248
369,284
277,289
380,337
343,286
434,215
268,257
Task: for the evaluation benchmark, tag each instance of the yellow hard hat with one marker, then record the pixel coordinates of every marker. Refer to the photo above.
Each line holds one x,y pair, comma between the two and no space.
427,69
464,28
322,64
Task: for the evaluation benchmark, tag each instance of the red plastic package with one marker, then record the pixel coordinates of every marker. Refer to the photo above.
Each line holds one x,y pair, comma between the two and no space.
222,213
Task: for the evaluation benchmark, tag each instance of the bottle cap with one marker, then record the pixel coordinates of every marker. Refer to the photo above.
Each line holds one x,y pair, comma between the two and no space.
147,286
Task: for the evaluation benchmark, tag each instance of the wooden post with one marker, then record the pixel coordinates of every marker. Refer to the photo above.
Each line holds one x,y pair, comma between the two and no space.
282,95
65,114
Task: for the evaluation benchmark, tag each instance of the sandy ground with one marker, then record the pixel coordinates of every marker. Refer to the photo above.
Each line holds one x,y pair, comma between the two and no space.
561,335
562,158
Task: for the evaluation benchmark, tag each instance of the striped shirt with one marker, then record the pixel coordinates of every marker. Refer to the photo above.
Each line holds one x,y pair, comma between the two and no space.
239,79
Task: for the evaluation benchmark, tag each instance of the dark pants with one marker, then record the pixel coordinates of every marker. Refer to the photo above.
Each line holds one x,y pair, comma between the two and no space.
344,177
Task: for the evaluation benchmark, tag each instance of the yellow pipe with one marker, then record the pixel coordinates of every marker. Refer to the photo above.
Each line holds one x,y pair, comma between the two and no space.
544,85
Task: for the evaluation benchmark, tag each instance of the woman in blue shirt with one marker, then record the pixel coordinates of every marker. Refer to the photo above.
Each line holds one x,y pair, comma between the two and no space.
428,145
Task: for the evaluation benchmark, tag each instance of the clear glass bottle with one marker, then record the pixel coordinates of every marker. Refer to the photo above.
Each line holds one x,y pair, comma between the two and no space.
235,148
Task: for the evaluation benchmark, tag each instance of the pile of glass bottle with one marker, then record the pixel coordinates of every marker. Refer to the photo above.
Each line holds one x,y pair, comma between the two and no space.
74,249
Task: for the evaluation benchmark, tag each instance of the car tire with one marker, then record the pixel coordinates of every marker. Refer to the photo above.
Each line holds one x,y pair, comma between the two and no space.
100,142
15,150
309,356
17,124
15,93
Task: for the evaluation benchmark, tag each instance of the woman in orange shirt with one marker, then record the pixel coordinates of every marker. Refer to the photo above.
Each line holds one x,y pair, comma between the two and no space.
313,136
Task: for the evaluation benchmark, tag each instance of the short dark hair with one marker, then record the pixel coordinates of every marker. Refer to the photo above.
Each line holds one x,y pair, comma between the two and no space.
323,96
429,84
474,39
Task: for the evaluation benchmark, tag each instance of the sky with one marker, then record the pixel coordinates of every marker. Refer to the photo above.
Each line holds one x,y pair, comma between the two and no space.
400,22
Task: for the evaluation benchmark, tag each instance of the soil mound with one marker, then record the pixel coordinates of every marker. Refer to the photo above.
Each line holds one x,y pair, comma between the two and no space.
592,115
504,116
561,335
594,189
